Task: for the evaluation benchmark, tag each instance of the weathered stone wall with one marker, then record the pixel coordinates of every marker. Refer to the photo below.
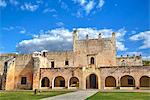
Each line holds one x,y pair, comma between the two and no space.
10,75
130,61
101,74
59,58
102,49
23,68
66,73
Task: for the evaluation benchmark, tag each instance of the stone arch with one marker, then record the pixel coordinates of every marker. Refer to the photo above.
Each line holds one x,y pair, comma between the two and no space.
92,60
59,81
92,81
74,82
110,81
127,81
45,82
145,81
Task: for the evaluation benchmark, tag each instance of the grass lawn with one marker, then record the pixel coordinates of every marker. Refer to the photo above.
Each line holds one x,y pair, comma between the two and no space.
28,95
120,96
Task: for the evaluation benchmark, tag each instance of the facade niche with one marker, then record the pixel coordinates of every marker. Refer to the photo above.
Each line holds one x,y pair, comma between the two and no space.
92,60
23,80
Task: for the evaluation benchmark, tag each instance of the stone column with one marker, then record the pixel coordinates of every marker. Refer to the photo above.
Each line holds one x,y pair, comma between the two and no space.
137,82
99,82
66,83
53,83
118,81
36,73
83,81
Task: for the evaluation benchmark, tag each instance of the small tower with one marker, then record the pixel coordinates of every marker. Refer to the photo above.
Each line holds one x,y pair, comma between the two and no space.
113,39
87,37
75,38
99,36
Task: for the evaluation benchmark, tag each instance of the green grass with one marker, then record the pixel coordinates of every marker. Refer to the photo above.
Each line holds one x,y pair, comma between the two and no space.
28,95
120,96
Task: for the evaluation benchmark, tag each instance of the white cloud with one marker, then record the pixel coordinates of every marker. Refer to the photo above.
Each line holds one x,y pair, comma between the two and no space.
60,24
8,28
146,58
61,39
89,7
101,3
64,5
18,29
49,10
56,39
14,2
145,36
81,2
120,46
134,53
78,14
29,7
3,3
23,31
39,1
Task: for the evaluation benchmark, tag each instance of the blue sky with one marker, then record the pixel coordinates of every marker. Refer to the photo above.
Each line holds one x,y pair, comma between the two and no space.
33,25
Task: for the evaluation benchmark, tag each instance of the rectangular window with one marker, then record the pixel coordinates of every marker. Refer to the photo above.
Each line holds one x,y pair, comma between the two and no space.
130,81
66,62
52,64
23,80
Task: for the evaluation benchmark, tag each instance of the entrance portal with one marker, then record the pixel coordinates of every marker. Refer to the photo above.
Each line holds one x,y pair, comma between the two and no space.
92,82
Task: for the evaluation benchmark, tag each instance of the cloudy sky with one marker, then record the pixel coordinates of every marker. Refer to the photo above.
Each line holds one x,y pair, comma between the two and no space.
33,25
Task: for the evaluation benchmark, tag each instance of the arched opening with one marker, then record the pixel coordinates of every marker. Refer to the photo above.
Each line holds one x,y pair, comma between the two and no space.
92,60
145,81
127,81
110,81
59,81
74,82
92,82
45,82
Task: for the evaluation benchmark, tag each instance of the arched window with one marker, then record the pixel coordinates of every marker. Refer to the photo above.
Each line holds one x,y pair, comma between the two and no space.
92,60
45,82
66,62
127,81
145,81
110,81
92,81
74,82
59,81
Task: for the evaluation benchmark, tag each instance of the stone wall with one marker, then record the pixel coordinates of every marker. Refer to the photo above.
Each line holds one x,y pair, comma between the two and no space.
24,68
117,72
129,61
66,73
101,73
59,59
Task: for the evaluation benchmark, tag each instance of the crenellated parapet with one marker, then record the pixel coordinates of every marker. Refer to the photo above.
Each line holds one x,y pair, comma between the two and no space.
135,60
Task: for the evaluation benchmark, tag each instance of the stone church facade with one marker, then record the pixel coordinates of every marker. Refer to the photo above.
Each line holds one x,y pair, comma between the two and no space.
92,64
